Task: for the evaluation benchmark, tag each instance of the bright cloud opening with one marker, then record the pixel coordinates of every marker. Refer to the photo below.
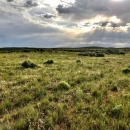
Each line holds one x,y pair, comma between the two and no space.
114,19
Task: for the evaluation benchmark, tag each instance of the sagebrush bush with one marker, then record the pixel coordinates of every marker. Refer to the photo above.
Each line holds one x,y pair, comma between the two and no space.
78,61
28,64
126,70
100,55
107,61
49,62
63,85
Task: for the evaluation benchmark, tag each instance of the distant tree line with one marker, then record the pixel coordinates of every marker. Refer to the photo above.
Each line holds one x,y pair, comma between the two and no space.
93,51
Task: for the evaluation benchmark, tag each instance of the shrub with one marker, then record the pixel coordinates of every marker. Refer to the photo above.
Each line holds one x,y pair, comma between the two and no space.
80,80
115,111
83,54
114,89
49,62
121,53
63,86
100,55
95,93
126,70
78,61
119,62
92,54
28,64
107,61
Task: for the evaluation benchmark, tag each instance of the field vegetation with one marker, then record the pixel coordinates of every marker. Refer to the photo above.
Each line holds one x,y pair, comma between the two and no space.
65,89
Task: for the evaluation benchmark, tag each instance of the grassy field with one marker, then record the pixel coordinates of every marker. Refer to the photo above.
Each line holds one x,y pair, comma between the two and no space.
73,93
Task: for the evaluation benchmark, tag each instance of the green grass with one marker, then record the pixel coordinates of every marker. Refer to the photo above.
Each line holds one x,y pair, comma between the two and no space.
76,92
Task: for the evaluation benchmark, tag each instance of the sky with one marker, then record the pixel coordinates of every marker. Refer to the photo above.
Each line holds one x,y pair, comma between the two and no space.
64,23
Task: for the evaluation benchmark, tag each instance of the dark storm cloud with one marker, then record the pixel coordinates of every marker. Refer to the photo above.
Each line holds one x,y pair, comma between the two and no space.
65,10
30,3
10,0
83,9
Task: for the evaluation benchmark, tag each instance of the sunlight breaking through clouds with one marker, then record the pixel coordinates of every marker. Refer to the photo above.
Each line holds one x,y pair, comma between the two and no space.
76,21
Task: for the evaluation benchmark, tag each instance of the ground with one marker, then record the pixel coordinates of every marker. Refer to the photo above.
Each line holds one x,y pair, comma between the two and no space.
71,93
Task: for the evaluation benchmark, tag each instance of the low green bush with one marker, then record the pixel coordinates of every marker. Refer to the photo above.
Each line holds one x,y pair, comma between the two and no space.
126,70
49,62
28,64
100,55
63,85
78,61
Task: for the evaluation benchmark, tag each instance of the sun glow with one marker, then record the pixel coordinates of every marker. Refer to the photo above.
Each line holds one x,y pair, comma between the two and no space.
57,2
114,19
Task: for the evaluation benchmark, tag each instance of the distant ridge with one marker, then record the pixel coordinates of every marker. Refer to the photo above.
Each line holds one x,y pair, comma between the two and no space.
89,47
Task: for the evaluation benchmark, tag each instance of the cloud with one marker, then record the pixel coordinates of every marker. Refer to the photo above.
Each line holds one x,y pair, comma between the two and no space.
29,3
34,23
65,10
87,9
48,15
10,0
